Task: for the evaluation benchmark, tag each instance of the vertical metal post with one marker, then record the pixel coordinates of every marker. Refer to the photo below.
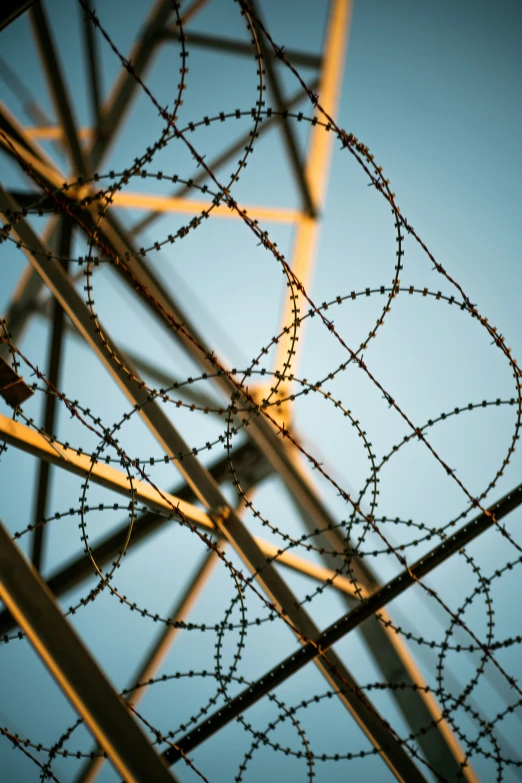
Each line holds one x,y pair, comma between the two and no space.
53,376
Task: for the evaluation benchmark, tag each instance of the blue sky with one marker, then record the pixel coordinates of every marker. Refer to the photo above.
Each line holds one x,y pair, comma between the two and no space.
433,89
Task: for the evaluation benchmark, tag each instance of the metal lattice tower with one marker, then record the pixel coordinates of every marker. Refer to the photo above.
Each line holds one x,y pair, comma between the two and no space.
89,245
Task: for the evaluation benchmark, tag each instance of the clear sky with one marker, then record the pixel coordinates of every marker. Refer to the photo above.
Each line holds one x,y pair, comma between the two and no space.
433,89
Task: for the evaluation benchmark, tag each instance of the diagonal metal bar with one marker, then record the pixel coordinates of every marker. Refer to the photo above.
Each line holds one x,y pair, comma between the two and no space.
94,81
308,203
349,622
232,46
84,465
57,86
53,375
157,653
417,704
15,84
224,157
394,657
24,297
250,466
266,438
75,670
145,366
282,461
316,172
12,9
226,519
119,101
17,132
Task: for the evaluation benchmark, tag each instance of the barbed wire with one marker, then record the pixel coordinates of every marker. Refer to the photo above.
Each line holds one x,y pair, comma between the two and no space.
255,392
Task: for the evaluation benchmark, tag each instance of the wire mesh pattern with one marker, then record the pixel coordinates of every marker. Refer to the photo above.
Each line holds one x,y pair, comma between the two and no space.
343,553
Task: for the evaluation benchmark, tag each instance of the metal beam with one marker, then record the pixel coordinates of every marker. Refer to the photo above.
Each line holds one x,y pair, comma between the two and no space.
55,132
119,101
157,653
250,467
233,46
83,465
316,174
22,303
349,622
283,462
53,376
12,9
90,693
17,132
290,138
161,204
236,148
417,704
94,85
228,522
57,86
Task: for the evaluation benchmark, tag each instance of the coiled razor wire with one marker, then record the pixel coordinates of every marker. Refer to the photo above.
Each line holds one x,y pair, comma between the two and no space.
367,532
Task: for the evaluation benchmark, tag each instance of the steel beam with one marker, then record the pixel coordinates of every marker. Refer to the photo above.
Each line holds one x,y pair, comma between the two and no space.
30,151
13,81
157,653
207,491
236,148
233,46
316,174
12,9
290,138
124,89
144,366
57,86
84,465
53,375
417,704
24,297
182,498
90,693
349,622
94,86
283,462
161,204
55,132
